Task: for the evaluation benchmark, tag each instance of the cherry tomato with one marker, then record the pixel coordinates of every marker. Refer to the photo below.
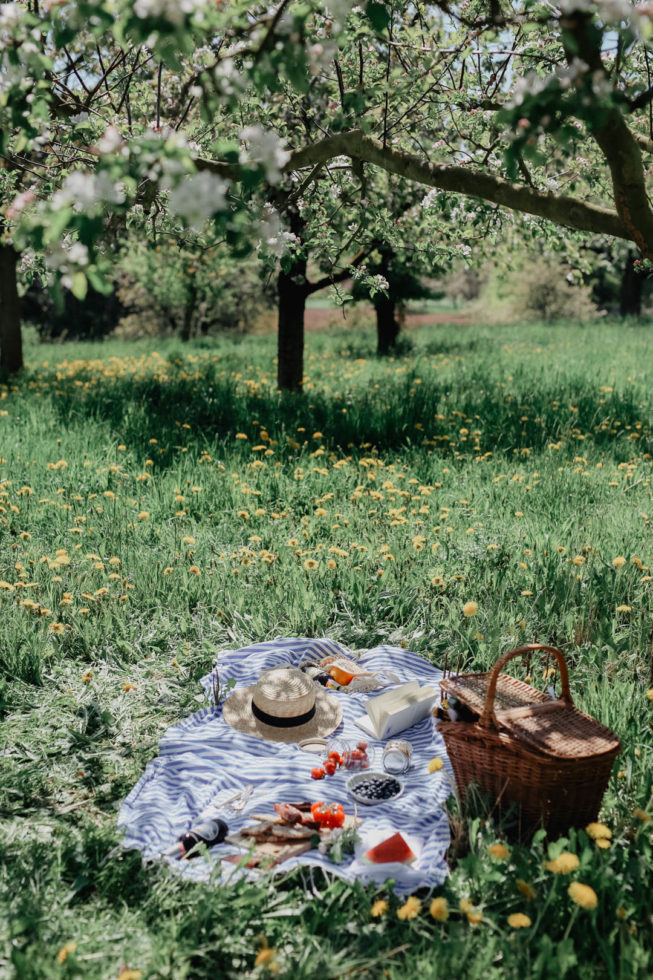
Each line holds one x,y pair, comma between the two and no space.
317,773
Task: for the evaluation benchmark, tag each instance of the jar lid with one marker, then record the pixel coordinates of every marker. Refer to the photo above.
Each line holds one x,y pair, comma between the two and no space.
315,745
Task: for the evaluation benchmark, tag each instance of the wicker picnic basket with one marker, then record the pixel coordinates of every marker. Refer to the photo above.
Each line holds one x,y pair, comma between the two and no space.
525,748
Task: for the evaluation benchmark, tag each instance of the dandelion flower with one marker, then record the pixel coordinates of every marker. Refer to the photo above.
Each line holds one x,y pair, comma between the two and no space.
564,864
411,909
619,561
194,570
598,831
499,852
436,764
649,694
266,958
439,909
128,974
319,512
56,627
188,540
519,921
642,815
62,955
623,608
470,608
526,890
603,843
583,895
144,514
310,564
379,908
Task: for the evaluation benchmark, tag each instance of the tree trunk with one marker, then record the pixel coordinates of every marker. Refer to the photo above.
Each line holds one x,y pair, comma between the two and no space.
292,288
632,284
11,342
387,325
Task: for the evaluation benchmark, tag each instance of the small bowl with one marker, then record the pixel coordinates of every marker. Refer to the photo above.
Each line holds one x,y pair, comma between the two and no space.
355,781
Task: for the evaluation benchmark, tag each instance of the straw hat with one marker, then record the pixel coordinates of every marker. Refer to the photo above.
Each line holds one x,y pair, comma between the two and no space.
283,706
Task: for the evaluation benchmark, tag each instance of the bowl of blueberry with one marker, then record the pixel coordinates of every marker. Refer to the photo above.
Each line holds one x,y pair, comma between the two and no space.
372,787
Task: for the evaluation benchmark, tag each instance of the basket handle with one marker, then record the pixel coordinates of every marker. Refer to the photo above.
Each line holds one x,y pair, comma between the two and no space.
488,717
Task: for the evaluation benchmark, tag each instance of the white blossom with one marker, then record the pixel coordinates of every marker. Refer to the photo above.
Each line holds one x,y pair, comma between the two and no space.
110,141
197,197
83,190
274,240
266,149
174,11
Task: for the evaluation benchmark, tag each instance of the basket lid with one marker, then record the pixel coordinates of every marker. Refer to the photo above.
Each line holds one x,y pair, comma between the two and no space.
559,730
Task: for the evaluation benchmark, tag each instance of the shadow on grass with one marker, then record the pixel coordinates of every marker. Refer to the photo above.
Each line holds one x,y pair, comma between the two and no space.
196,405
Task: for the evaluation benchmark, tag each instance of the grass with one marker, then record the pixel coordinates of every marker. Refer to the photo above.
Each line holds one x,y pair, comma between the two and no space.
160,503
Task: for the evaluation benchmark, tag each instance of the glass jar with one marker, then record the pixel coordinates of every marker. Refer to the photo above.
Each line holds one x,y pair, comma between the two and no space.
396,756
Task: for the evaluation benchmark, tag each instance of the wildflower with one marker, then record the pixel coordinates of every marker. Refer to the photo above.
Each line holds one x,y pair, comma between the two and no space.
144,514
56,627
109,494
194,570
499,851
411,909
598,831
62,955
583,895
619,561
578,560
623,609
642,815
603,843
188,540
526,592
331,564
519,921
526,890
564,864
166,571
436,764
649,694
466,905
439,909
470,609
310,565
379,908
319,512
128,974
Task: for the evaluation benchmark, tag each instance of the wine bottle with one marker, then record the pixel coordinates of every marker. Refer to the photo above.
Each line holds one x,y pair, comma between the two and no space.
207,832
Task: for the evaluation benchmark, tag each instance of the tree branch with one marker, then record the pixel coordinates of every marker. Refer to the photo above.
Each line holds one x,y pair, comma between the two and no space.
315,287
566,211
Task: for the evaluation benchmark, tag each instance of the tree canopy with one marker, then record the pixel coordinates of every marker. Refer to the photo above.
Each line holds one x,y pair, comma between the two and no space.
218,121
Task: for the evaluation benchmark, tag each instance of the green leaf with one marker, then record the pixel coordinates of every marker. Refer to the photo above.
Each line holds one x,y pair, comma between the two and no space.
57,223
378,15
79,287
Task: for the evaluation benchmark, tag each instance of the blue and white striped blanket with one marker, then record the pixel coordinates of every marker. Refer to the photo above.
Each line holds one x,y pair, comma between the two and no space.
202,762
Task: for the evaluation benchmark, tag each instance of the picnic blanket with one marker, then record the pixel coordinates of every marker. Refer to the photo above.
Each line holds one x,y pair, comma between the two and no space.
202,761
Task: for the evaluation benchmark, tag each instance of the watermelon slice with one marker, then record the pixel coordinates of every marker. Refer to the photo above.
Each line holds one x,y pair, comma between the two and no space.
394,850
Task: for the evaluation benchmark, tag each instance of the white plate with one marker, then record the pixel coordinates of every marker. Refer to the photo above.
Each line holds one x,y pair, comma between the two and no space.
360,777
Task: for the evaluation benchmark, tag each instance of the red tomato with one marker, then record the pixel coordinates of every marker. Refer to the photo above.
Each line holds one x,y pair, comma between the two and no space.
317,773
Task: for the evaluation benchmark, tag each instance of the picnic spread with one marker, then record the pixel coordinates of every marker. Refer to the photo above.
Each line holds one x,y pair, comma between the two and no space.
309,756
211,760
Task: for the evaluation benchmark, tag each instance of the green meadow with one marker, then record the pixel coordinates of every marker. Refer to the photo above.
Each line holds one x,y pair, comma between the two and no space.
481,489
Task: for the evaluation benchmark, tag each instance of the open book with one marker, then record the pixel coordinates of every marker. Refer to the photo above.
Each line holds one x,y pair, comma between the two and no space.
397,709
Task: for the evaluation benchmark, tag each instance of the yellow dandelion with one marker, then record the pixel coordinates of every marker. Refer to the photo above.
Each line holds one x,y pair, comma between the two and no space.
319,512
624,608
331,564
526,592
526,890
109,494
439,909
470,608
474,917
62,955
564,864
168,570
379,908
56,628
583,895
499,852
436,764
144,514
519,921
466,905
411,909
603,843
649,694
188,540
578,560
240,435
642,815
266,958
194,570
128,974
619,561
598,831
310,564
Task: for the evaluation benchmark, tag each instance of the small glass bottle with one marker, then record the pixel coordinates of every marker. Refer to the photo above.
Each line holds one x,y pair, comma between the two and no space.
396,756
